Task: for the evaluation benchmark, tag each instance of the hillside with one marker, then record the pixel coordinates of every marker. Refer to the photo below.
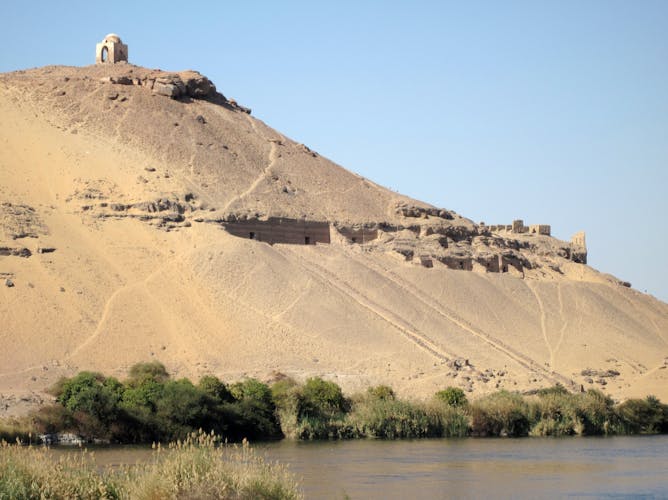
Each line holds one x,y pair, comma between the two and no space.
144,215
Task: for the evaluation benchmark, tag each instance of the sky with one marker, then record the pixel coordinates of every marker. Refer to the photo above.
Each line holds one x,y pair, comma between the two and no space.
554,112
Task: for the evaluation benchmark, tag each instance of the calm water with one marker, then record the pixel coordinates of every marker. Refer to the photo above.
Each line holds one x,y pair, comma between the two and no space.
619,467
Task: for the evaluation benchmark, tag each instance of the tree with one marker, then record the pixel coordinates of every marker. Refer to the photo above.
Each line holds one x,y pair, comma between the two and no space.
253,411
93,394
215,388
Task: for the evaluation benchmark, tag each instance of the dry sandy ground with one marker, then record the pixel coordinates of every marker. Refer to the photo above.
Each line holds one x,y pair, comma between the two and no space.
109,289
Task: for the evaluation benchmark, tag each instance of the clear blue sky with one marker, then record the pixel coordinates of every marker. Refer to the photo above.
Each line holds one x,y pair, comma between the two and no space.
551,111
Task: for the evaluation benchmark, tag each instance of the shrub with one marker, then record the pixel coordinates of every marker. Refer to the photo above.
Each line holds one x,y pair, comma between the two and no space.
182,407
642,416
381,392
322,399
52,418
253,412
215,388
452,396
286,395
595,414
148,371
554,413
500,414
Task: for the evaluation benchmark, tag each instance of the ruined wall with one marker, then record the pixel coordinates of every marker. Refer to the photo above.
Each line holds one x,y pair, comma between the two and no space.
357,234
518,227
461,263
543,229
491,263
579,248
511,264
280,230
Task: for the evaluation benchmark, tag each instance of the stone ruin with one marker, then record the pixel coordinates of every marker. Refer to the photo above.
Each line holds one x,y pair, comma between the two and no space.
579,248
111,50
518,227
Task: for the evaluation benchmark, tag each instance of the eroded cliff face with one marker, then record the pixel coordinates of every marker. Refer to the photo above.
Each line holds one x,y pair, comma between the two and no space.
144,215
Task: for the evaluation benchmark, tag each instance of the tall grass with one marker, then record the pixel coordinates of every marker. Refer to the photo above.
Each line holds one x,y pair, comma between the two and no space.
197,467
556,412
13,429
390,418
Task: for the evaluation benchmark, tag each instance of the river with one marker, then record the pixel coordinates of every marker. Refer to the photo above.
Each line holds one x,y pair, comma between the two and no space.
619,467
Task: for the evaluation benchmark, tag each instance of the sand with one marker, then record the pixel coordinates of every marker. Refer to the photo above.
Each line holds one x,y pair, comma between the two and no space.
105,288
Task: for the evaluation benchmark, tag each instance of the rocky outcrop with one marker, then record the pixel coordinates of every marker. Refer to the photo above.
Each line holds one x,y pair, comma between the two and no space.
182,85
20,221
423,212
15,251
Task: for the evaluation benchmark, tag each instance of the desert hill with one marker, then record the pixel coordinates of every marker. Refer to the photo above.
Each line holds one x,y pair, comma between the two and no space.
144,215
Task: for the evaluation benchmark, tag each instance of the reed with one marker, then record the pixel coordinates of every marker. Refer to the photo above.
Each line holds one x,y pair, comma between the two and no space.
197,467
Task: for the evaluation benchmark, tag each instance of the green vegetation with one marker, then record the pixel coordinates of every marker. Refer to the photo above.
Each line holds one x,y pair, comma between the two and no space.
197,467
151,407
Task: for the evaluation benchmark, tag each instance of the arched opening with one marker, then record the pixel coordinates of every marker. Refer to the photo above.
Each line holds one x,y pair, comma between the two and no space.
105,54
307,240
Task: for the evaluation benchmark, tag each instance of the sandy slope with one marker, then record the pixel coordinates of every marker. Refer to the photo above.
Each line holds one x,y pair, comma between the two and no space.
118,289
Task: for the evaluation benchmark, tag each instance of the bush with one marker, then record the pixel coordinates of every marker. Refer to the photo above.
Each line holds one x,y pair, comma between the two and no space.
215,388
554,413
253,412
322,399
452,396
52,418
151,371
595,414
286,395
500,414
182,408
381,392
643,416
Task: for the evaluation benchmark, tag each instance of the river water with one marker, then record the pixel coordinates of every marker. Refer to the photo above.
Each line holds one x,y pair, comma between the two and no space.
615,467
480,468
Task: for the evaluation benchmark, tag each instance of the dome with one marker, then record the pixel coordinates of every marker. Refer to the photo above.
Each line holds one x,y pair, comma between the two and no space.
112,37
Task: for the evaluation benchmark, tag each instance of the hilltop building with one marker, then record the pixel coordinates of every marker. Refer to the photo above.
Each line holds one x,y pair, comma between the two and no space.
111,50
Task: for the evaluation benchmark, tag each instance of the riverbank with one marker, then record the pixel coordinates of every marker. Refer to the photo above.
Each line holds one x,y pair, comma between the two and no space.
149,406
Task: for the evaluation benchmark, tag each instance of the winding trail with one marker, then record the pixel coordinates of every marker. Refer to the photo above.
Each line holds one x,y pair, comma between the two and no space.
543,321
107,308
264,175
562,330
